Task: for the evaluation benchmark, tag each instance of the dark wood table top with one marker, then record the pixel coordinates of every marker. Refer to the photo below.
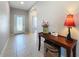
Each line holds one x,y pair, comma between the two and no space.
59,40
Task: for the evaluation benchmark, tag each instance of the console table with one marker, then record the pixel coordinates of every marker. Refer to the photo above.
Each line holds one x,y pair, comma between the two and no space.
69,45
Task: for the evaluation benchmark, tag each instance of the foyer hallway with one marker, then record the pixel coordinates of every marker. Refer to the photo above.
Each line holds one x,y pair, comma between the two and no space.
23,45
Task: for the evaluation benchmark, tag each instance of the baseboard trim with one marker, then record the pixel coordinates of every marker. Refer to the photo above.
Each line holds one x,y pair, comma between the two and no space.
1,55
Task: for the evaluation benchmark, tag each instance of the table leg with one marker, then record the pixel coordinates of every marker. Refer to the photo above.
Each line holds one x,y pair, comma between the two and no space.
39,43
68,51
59,51
74,51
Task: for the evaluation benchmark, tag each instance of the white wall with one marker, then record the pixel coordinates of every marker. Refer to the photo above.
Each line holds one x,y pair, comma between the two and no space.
56,12
4,24
15,11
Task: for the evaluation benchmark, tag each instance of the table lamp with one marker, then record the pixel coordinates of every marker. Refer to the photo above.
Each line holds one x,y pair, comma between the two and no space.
69,23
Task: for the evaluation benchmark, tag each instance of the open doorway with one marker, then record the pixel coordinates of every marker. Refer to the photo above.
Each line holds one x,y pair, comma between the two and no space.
33,20
34,24
19,24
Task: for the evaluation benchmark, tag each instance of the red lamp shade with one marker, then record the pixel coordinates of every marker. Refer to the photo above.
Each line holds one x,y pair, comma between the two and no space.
69,21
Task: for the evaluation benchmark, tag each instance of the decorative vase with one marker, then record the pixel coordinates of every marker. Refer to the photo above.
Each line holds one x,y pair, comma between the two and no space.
45,28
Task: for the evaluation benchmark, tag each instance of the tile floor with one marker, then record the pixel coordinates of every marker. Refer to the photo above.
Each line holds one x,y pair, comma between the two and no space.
23,45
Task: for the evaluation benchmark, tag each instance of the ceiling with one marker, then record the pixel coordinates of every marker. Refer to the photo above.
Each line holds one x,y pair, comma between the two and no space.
26,6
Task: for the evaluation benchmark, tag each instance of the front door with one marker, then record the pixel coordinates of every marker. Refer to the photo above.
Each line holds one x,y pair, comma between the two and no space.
19,24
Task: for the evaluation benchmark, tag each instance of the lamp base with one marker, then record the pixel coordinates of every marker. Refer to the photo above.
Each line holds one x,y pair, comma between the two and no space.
69,34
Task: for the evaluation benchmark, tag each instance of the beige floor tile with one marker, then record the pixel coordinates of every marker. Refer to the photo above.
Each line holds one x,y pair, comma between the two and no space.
23,45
